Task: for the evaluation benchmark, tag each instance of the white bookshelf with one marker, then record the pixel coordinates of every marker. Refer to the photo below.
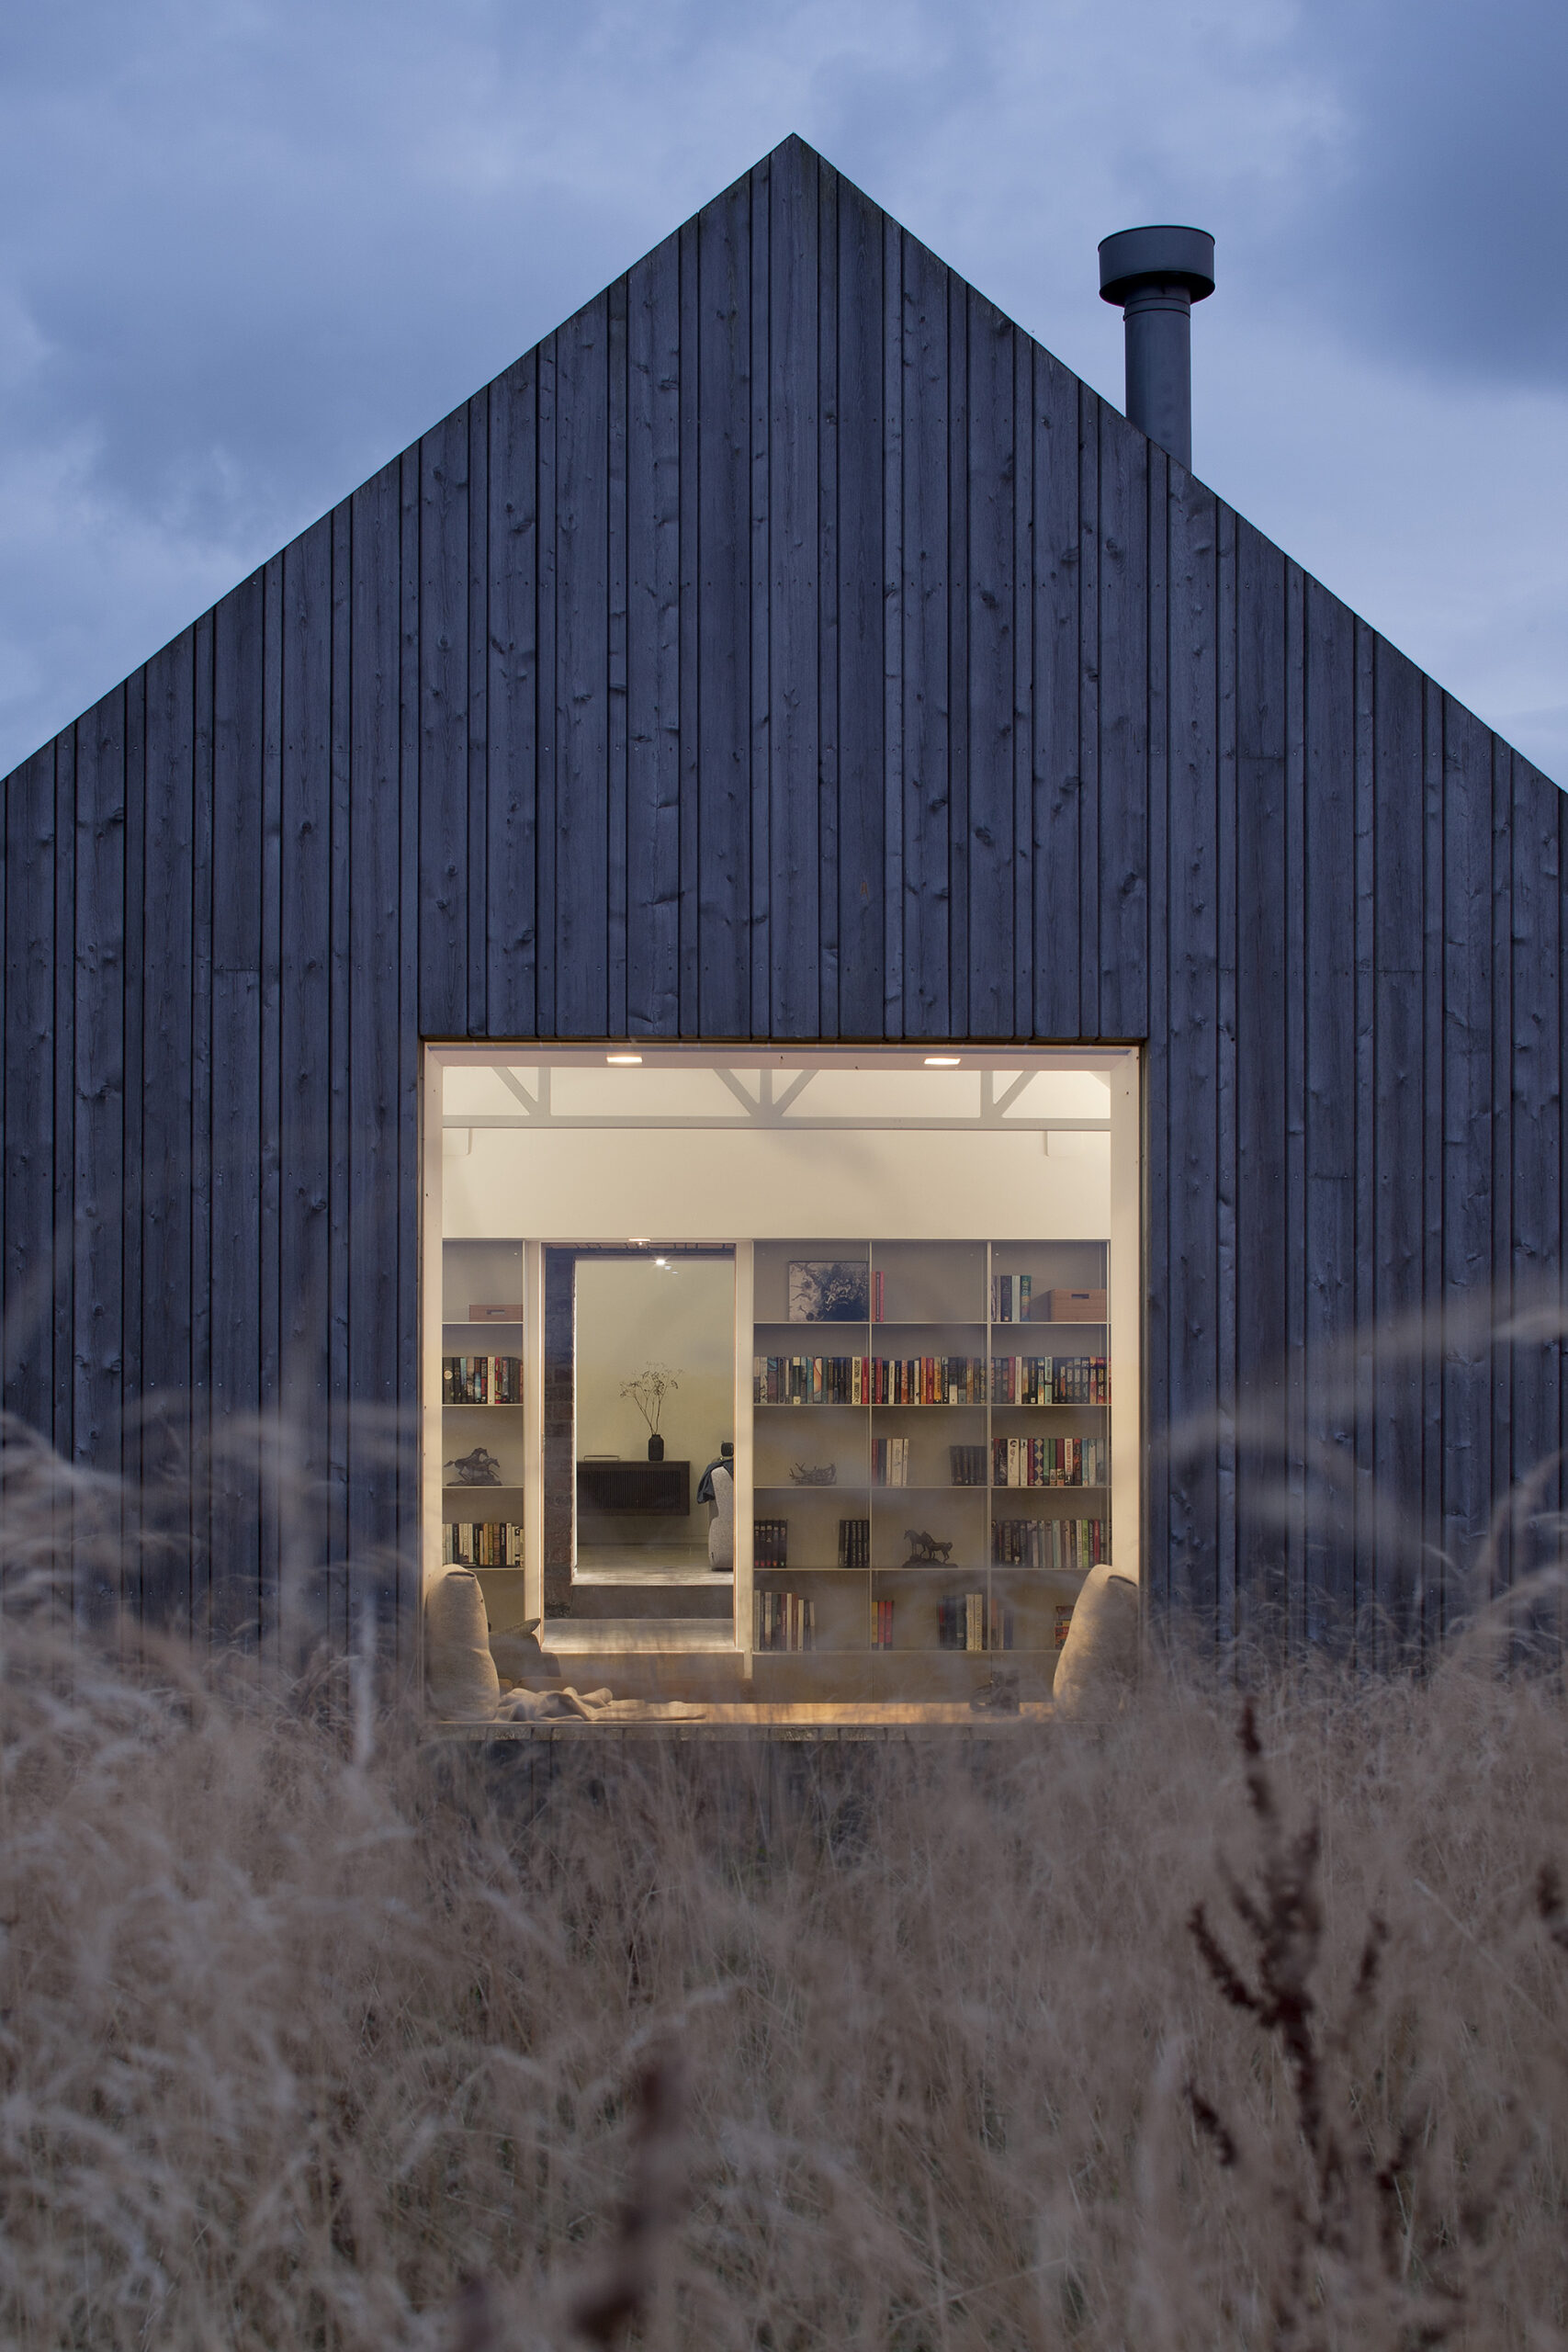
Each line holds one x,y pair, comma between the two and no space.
954,1311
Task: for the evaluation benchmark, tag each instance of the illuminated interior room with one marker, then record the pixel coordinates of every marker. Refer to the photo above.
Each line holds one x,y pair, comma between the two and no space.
798,1385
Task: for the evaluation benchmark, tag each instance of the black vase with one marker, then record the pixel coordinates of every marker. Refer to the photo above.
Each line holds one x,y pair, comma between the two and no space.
656,1449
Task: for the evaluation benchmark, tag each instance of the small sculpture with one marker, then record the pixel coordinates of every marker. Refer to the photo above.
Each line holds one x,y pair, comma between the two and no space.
998,1696
480,1468
924,1548
817,1474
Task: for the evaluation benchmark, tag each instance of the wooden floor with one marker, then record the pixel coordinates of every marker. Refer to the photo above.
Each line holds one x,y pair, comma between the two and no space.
751,1718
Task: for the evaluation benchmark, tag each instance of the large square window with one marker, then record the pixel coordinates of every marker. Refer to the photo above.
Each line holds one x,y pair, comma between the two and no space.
792,1388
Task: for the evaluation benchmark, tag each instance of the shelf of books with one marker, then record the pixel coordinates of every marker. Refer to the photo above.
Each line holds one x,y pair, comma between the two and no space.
931,1451
482,1405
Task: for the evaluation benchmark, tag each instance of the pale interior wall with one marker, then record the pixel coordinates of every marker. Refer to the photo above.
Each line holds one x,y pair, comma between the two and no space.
712,1184
631,1313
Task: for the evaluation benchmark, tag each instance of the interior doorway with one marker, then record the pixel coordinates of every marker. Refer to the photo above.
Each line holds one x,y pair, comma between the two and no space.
639,1435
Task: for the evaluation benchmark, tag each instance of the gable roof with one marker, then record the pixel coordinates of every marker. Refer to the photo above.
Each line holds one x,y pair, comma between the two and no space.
896,537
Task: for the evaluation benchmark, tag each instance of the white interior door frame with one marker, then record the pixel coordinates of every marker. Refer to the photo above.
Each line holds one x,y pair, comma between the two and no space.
534,1429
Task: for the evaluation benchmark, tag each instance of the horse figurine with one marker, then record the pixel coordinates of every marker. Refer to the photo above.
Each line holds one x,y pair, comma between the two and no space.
480,1468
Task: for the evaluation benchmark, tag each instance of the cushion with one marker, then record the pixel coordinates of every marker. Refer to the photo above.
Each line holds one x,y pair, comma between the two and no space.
1098,1660
522,1657
460,1671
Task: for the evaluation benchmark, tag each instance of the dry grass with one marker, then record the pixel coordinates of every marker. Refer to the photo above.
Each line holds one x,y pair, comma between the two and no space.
1147,2035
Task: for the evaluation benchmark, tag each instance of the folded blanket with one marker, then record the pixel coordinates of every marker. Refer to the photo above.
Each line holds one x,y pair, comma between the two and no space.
589,1706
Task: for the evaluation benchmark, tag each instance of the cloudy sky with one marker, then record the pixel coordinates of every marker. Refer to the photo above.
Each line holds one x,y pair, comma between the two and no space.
250,248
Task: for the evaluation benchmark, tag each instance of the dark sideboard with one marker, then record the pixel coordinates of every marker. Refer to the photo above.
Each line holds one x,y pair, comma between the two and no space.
635,1490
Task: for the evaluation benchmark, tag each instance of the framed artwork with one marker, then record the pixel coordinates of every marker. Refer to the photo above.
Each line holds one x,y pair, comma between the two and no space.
830,1290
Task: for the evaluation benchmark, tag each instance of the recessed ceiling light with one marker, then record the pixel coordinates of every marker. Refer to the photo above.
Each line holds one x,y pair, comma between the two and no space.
623,1060
942,1061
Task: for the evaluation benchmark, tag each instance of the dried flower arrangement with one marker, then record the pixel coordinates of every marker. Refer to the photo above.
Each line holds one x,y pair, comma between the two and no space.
649,1389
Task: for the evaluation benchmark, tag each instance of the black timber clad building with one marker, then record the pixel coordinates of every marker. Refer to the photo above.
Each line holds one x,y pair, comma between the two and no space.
788,648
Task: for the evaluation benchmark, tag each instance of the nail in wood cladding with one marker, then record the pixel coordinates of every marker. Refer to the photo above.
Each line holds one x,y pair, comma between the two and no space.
790,648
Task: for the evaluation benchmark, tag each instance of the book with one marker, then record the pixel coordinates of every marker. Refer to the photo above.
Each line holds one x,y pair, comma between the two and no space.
481,1380
973,1621
1010,1296
770,1542
854,1542
868,1380
1052,1544
784,1621
881,1624
812,1380
1050,1380
967,1464
1050,1462
481,1544
934,1380
890,1460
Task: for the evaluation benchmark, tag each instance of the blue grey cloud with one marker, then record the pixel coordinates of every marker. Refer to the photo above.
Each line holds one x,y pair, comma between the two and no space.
250,248
1444,239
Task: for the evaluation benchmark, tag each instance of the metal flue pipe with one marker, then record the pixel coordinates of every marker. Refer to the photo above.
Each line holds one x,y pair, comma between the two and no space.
1157,275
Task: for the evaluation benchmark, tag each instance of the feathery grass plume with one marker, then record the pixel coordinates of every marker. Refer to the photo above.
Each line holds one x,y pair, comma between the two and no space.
316,2032
1361,2251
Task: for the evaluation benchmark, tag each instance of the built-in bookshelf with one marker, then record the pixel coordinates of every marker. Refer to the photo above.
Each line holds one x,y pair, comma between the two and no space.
932,1459
482,1405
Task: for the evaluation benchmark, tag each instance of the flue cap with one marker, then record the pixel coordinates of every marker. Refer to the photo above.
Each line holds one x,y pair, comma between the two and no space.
1184,256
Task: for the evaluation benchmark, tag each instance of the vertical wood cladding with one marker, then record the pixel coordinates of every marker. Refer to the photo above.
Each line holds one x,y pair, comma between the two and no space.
789,647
